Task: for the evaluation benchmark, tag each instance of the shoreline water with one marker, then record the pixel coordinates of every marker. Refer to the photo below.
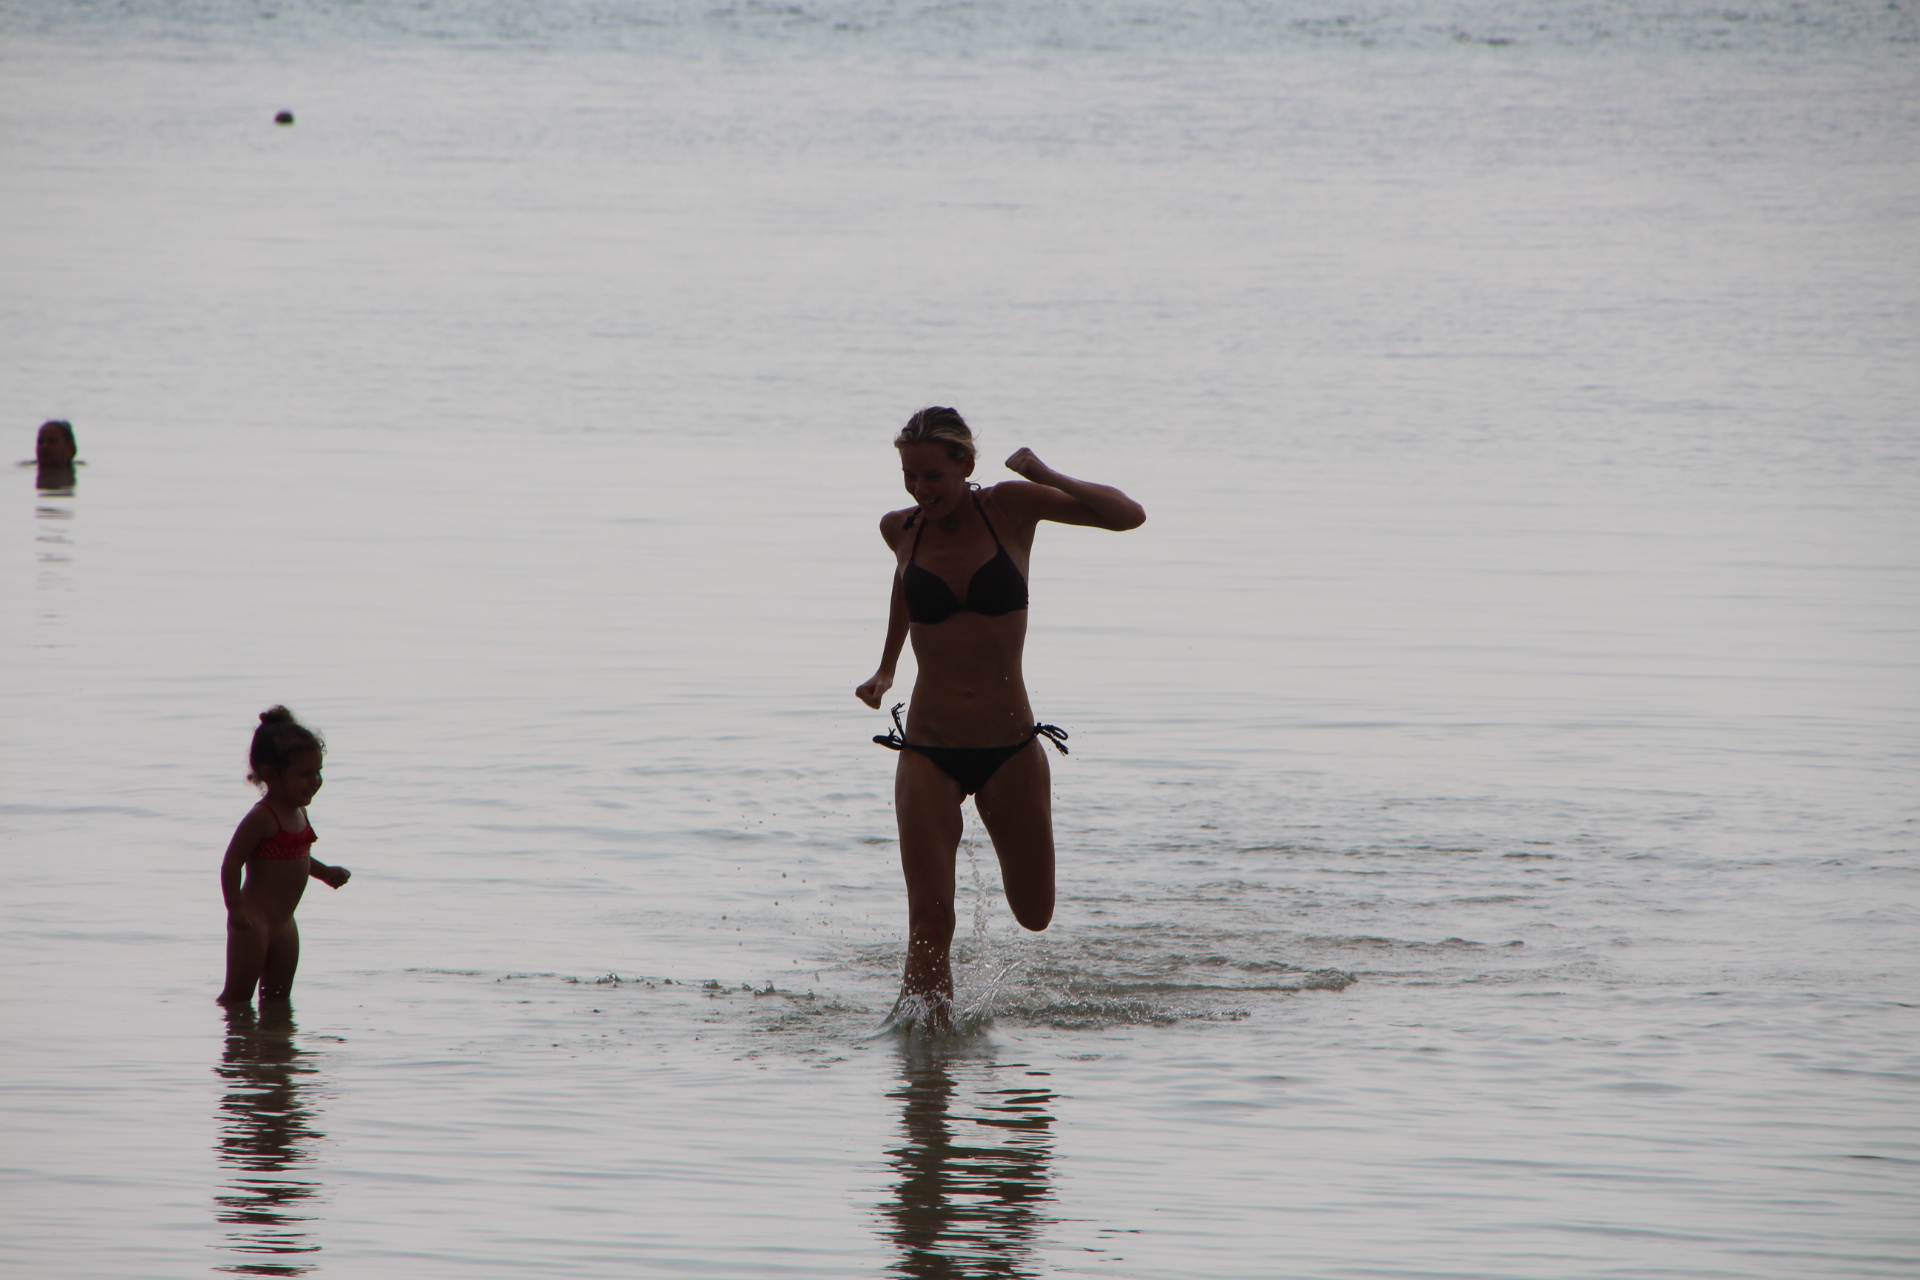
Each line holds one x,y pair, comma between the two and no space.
1487,848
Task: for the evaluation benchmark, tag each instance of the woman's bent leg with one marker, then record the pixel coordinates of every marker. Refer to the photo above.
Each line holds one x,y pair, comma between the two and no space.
926,805
283,957
1017,806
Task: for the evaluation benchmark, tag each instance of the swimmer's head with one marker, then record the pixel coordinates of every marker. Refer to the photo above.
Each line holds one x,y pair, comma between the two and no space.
279,739
55,445
942,426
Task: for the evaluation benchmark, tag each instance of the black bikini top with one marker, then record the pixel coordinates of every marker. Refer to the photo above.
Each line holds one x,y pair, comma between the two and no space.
997,587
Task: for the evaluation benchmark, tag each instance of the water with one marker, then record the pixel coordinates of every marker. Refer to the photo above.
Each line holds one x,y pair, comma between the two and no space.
1488,847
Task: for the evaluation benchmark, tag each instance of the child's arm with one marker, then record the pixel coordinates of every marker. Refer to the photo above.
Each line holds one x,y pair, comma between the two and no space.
252,830
333,876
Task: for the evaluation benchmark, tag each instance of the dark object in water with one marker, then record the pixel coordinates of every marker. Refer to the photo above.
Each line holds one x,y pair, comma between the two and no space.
283,117
54,451
54,445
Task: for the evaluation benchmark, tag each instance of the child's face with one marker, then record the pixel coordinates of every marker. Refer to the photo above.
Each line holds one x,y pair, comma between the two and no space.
297,783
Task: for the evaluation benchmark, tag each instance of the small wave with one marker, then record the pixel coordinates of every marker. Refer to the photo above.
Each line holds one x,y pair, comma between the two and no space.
1032,982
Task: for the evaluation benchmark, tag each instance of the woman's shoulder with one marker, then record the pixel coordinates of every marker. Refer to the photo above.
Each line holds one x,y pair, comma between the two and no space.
895,523
1017,498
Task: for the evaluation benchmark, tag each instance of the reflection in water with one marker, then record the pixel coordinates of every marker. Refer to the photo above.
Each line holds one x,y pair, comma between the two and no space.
971,1187
266,1133
53,532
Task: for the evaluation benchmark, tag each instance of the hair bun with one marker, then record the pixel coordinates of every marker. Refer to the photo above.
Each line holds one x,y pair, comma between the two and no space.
277,739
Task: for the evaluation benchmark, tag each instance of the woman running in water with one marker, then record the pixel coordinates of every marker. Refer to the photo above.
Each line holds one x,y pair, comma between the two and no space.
960,590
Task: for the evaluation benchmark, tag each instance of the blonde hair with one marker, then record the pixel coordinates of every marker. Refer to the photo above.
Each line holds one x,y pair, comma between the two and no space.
941,425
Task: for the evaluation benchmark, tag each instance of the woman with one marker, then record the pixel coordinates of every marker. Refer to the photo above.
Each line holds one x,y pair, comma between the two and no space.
960,590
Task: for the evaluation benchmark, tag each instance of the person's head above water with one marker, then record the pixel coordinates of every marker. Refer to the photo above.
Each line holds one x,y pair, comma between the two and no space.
942,425
54,445
277,742
936,459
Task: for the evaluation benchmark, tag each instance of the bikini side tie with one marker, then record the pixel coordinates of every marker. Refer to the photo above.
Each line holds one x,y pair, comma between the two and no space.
897,740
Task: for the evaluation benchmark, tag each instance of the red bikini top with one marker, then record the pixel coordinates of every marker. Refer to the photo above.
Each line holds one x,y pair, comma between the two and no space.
284,844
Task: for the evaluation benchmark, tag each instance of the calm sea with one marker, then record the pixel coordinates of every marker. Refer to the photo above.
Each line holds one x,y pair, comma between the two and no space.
1489,843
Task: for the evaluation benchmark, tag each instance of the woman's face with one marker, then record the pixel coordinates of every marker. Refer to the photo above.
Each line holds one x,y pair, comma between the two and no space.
936,481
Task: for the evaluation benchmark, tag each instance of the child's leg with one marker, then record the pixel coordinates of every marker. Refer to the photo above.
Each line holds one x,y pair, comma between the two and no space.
246,958
282,958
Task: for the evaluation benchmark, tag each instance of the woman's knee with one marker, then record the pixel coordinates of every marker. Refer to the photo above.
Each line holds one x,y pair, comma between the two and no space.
1035,916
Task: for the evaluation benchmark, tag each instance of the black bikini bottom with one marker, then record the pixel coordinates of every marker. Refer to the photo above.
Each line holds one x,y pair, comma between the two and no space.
968,766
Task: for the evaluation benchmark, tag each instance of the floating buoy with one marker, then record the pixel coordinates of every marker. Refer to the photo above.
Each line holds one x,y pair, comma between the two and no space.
284,117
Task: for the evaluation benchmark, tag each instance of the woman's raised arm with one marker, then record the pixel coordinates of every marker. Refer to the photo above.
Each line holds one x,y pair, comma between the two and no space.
1099,505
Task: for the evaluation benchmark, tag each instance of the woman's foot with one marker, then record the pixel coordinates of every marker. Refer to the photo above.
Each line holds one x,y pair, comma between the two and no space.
923,1011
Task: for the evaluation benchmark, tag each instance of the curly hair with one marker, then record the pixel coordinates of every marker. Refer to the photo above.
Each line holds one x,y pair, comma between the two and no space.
277,741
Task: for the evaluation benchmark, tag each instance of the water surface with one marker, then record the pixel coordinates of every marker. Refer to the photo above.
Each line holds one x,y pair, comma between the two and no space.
1488,844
